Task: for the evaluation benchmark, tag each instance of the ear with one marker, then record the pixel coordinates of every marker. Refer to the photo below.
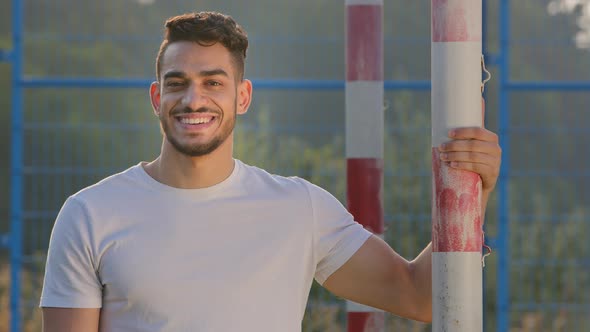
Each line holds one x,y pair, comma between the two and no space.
155,97
244,96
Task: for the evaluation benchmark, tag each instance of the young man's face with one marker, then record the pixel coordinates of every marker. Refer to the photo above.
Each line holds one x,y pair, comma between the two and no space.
198,97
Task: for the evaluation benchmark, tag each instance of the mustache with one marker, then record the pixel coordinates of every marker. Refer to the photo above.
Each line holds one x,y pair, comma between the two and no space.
188,110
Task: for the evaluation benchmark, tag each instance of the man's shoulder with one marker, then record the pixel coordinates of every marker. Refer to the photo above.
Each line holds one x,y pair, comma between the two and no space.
261,176
111,186
293,185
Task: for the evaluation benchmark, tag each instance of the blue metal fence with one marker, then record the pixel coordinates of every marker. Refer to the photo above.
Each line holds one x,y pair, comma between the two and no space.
503,284
74,122
16,163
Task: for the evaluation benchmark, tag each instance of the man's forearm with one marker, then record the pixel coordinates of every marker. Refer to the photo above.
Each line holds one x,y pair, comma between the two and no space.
422,276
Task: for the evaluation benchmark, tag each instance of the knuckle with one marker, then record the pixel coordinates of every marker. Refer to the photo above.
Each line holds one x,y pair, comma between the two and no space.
495,170
496,137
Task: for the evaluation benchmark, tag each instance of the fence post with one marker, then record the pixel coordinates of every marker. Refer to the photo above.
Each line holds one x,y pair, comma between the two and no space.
16,166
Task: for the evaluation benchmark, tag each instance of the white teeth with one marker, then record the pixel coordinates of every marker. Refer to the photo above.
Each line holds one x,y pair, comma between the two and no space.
195,120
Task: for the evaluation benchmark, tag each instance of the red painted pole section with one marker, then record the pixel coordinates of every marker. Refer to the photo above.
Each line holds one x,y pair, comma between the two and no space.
364,133
456,215
364,48
364,197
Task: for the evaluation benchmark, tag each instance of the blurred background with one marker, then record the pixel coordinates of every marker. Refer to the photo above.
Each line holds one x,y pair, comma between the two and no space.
74,108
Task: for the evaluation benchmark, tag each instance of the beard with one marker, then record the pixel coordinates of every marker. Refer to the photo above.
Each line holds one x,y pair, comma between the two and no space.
200,149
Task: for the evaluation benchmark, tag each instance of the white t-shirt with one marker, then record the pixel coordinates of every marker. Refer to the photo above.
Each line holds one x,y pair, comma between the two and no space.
238,256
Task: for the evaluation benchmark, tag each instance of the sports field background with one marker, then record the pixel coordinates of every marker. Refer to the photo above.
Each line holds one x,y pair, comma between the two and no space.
74,108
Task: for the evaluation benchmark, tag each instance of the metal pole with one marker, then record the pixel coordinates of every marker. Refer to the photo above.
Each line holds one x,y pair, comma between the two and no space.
364,132
457,235
16,166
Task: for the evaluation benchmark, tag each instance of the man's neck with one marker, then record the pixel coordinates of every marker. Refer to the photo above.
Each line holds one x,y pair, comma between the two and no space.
178,170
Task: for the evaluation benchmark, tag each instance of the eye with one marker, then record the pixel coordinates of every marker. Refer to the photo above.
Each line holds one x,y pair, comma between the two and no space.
213,83
174,84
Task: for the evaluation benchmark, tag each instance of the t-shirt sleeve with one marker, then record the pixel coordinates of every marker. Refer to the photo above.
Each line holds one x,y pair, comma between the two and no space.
71,278
336,235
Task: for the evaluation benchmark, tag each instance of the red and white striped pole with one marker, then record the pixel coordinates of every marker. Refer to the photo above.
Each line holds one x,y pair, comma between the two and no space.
364,132
456,205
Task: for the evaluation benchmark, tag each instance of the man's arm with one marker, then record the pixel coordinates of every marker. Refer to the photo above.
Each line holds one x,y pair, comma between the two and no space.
377,276
403,288
70,319
72,293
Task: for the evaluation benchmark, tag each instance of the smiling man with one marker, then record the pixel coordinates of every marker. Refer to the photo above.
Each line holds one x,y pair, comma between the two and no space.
199,241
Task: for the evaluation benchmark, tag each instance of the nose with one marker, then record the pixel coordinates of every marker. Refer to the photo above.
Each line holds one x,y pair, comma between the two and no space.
195,98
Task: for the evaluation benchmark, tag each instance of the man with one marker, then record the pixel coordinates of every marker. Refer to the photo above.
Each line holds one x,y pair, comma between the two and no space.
198,241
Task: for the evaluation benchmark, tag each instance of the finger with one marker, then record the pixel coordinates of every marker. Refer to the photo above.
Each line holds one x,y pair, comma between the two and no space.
471,145
473,133
479,168
471,157
486,172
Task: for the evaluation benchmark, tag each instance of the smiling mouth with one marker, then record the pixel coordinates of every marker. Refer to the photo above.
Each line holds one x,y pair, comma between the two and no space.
196,120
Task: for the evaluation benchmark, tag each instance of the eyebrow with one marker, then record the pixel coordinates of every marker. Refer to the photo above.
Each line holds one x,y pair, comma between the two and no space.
174,74
203,73
213,72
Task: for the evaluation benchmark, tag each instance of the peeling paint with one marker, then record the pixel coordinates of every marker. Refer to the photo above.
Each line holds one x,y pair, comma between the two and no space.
454,20
456,214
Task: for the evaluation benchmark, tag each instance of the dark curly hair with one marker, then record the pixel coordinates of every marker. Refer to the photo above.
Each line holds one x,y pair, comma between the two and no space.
206,29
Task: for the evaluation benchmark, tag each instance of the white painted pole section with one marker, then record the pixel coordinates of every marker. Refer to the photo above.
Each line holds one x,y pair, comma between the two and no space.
456,206
457,293
364,119
456,87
